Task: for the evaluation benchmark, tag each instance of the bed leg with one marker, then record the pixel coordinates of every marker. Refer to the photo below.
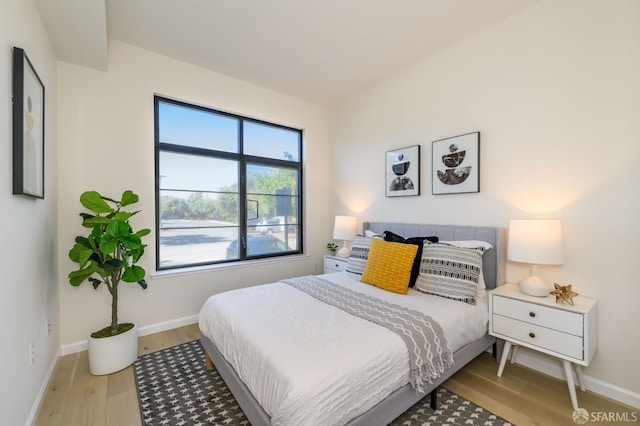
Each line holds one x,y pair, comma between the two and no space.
208,362
434,398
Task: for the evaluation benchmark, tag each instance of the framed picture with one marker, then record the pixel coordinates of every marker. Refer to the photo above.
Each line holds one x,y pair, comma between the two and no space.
402,172
28,127
456,164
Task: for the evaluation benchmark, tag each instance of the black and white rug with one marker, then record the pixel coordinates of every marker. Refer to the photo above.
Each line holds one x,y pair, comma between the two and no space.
175,388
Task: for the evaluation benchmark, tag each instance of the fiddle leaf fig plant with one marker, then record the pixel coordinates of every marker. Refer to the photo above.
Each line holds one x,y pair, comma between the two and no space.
109,253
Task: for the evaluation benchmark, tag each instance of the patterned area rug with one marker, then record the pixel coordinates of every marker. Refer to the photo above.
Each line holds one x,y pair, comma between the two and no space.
174,388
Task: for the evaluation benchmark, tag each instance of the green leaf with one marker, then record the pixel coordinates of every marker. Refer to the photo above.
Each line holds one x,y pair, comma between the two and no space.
84,241
77,277
114,233
95,220
143,232
92,239
112,264
95,257
117,229
133,274
96,234
123,216
108,244
137,253
131,241
94,202
129,197
80,254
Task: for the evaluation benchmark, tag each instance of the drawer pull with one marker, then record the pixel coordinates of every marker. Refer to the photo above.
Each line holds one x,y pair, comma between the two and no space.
532,335
532,314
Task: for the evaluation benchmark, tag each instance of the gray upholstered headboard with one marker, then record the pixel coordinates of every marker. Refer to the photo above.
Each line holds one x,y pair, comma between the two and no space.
494,261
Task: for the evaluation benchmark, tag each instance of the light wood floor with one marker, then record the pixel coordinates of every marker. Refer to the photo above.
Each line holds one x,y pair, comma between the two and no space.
522,396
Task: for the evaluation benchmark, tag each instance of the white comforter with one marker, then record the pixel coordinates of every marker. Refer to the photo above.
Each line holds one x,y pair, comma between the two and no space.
309,363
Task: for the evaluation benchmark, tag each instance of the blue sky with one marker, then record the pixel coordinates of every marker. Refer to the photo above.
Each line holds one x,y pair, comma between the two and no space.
204,129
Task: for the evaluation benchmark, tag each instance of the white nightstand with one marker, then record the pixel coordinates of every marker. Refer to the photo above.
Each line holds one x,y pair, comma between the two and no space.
567,332
335,264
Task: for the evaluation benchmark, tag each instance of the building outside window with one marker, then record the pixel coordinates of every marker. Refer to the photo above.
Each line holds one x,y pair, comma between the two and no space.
228,188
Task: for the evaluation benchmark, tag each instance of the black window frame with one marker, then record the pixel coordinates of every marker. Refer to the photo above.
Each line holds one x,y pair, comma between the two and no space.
243,160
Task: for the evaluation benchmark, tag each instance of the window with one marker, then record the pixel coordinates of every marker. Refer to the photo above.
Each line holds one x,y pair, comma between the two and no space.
228,187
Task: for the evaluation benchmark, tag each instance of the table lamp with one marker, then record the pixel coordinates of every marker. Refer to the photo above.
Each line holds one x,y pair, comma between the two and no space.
344,228
538,242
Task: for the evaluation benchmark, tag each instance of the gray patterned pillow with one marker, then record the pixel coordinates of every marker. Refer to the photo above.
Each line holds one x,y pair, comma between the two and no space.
449,271
359,255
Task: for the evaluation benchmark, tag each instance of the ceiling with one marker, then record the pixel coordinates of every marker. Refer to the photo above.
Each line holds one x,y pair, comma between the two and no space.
317,50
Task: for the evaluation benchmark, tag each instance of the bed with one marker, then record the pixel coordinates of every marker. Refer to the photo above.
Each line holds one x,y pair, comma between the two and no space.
385,393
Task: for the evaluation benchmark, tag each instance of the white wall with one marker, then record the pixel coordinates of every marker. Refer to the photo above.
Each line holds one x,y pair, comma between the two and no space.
27,255
106,143
555,92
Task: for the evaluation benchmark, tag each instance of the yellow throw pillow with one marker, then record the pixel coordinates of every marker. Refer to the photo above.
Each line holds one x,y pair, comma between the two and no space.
389,265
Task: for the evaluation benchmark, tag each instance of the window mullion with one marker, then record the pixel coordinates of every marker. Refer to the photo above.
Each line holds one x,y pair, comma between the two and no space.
242,194
242,208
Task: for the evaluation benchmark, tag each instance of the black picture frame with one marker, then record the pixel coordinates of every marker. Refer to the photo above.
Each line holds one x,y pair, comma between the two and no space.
28,127
456,164
402,172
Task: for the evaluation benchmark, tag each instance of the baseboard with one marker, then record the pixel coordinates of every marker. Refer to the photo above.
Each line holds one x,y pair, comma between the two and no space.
81,345
35,409
552,367
168,325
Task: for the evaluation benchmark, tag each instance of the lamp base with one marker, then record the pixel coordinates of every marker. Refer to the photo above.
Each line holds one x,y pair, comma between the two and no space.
534,286
344,252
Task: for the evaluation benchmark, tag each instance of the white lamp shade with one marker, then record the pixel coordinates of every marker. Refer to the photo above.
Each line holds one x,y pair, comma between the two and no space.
536,241
344,228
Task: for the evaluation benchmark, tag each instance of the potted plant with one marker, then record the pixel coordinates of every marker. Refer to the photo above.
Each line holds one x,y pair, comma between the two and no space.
332,247
108,255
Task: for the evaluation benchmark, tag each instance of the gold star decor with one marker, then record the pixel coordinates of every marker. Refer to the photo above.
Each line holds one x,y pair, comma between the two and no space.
563,293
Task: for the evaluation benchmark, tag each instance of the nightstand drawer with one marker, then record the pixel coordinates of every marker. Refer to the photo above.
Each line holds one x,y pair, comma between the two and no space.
556,319
541,337
333,264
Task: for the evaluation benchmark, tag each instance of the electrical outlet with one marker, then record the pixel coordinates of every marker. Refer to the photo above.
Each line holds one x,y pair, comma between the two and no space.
32,353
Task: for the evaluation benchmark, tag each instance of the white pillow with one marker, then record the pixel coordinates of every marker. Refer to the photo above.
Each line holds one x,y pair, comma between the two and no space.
369,233
469,244
481,291
359,255
450,271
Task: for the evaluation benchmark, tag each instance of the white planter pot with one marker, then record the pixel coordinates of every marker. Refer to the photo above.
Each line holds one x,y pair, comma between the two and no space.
110,354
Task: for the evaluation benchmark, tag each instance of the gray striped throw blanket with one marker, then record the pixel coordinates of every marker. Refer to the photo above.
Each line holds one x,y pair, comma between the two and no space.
429,353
